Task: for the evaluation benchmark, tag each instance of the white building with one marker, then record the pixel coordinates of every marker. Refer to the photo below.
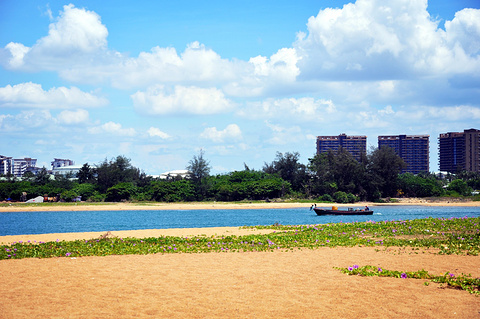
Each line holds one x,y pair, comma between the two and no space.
59,162
64,170
182,173
21,165
6,165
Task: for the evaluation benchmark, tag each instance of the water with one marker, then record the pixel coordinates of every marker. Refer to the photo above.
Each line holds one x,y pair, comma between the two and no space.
21,223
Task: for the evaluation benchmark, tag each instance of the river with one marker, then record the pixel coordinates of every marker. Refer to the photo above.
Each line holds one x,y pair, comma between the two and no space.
23,223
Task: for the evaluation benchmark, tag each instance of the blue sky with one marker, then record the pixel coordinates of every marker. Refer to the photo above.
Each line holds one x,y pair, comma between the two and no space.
157,81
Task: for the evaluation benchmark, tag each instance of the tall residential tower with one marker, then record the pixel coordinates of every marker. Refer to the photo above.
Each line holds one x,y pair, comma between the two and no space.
413,149
459,151
355,145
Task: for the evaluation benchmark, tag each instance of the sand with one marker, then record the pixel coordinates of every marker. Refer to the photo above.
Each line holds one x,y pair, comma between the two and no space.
293,284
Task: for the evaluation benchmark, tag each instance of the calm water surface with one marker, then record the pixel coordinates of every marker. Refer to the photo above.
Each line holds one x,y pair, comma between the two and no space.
20,223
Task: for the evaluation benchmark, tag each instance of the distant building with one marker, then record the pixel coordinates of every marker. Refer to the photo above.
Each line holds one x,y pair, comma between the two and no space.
6,165
413,149
172,175
355,145
67,170
58,162
459,151
22,165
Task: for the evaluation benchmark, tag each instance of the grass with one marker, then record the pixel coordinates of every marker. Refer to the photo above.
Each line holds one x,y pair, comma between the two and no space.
444,236
439,235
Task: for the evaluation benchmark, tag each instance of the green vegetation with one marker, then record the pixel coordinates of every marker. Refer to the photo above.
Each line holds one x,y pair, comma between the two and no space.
462,281
442,236
328,177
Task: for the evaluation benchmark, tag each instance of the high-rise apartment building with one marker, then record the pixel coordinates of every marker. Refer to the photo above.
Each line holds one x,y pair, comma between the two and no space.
355,145
6,165
22,165
459,151
413,149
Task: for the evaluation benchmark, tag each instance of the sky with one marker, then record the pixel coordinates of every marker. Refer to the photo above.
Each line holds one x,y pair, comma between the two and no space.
159,81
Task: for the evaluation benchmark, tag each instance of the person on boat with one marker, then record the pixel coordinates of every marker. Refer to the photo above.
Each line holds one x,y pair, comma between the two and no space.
366,208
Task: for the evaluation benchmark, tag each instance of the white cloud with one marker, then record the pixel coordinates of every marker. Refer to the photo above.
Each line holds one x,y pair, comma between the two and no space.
32,95
25,120
112,128
158,100
231,132
155,132
290,109
374,39
76,33
73,117
282,135
17,53
196,64
464,30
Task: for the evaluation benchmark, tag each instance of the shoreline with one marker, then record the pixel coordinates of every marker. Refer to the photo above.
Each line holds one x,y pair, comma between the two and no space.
181,232
22,207
213,232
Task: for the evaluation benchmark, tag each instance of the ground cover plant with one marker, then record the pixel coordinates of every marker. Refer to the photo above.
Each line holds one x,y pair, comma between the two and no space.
436,235
450,280
443,235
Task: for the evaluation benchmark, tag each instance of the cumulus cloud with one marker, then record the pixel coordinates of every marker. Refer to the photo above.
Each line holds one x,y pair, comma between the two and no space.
112,128
159,100
290,109
196,64
73,117
282,135
36,119
32,95
374,39
155,132
75,33
231,132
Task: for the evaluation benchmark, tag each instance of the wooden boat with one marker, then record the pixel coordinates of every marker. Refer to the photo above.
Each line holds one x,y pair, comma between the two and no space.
350,211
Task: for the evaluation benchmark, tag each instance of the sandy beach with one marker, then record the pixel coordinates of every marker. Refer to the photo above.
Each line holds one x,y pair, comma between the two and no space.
293,284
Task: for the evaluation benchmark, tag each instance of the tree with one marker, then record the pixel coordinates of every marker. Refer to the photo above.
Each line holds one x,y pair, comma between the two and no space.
121,191
337,171
86,174
288,167
28,176
118,170
199,169
459,186
42,177
383,168
421,185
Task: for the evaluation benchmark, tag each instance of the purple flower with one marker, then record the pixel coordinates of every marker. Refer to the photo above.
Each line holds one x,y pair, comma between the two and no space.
355,266
451,275
350,268
380,269
68,254
404,275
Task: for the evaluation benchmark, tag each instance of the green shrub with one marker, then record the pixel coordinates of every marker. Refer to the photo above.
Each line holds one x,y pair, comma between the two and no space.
68,196
120,191
340,197
352,198
325,198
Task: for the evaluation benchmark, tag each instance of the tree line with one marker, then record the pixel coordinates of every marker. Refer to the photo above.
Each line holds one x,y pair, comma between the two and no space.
334,176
